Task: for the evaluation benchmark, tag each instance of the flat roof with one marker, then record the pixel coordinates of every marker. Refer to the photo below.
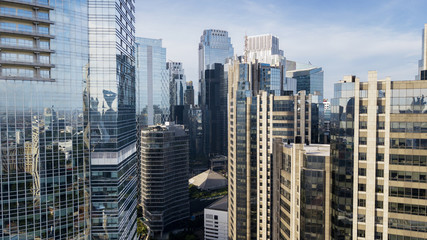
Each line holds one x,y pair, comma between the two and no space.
314,149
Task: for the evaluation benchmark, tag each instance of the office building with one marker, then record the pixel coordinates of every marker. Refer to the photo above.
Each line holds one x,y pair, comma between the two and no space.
301,190
307,77
112,118
256,116
164,177
264,48
422,72
177,87
189,94
152,82
45,164
216,220
215,114
378,157
214,47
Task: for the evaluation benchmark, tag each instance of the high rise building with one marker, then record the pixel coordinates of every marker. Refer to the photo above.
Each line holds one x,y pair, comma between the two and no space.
112,117
214,47
422,73
301,190
153,105
308,78
164,176
45,164
265,49
177,82
379,159
215,117
256,116
189,94
177,87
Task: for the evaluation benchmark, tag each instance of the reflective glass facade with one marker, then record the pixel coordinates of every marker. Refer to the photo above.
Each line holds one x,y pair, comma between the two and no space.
112,119
310,80
44,170
153,104
342,147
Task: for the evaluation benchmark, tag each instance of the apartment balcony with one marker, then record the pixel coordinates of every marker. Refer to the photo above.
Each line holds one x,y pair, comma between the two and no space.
32,19
26,33
27,64
25,49
40,4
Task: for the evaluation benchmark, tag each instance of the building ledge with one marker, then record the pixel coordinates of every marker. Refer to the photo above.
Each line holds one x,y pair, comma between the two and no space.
30,64
30,19
33,3
17,78
26,49
22,33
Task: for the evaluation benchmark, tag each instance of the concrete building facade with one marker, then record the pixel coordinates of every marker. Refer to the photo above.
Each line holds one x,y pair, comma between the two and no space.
216,220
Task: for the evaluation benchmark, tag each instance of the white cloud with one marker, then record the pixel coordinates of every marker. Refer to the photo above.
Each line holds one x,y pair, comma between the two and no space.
339,47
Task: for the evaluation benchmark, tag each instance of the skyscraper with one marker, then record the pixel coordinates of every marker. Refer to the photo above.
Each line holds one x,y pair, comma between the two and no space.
308,78
265,49
164,176
378,156
153,105
422,73
177,87
255,117
45,164
214,47
112,119
301,190
189,94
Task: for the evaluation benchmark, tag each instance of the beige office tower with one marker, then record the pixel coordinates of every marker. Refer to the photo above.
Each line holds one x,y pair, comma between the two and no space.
256,116
379,159
301,190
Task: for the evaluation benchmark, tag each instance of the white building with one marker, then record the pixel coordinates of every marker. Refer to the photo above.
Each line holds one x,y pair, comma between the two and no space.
216,220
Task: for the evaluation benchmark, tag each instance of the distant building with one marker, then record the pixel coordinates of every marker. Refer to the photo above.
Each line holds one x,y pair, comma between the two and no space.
189,94
164,176
216,220
301,191
308,78
152,82
177,87
422,73
218,163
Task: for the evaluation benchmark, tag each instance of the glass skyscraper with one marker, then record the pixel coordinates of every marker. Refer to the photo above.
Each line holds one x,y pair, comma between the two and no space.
309,79
44,170
112,119
152,82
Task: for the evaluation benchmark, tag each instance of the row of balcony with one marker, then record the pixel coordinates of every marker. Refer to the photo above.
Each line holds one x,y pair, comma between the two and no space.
32,33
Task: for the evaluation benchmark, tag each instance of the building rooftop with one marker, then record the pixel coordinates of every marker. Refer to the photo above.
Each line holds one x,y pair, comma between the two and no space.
314,149
208,180
221,204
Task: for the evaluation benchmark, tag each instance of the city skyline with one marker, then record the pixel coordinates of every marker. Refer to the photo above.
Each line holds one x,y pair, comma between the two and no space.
342,38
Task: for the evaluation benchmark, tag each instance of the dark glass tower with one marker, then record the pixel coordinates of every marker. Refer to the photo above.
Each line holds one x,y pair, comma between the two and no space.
44,170
342,148
112,119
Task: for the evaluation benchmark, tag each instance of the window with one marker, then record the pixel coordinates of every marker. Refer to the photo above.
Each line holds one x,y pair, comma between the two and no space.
380,172
362,171
360,233
379,188
361,202
379,204
362,187
44,44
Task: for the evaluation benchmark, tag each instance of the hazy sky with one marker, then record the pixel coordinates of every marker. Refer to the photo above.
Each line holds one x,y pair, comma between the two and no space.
345,37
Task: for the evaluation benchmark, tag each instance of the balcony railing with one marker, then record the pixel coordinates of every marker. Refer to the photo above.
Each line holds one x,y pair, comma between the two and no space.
26,33
25,48
26,63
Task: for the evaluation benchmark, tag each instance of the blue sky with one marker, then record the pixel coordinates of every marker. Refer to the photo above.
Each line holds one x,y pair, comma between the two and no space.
345,37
